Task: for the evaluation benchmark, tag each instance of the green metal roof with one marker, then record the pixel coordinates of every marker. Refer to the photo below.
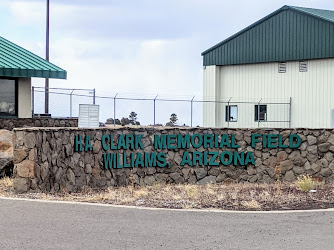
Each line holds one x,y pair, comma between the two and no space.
16,61
289,33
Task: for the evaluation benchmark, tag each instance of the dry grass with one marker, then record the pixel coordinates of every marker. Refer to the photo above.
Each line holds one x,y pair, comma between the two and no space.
231,197
6,186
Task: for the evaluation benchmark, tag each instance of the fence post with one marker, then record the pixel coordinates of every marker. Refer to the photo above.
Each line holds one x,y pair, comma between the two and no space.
32,101
290,112
71,103
191,112
94,96
115,110
154,110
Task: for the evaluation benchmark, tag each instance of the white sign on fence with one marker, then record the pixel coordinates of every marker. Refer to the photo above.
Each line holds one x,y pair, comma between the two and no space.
88,116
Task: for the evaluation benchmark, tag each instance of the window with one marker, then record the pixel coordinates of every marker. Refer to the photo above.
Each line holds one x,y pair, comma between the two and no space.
231,113
263,112
282,67
303,66
8,98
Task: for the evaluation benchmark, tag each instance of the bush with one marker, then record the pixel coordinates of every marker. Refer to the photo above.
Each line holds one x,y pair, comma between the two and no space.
305,183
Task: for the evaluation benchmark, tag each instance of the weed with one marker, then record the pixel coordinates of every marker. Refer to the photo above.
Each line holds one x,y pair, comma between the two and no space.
305,183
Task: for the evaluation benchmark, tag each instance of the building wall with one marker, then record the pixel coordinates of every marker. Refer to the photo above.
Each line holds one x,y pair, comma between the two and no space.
209,94
310,92
24,98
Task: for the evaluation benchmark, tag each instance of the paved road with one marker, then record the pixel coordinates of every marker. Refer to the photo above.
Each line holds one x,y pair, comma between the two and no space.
39,225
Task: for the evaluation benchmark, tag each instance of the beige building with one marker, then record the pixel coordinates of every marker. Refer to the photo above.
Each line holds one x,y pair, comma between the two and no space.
278,72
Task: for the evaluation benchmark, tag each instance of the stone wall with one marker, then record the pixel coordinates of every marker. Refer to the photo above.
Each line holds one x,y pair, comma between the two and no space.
11,123
45,159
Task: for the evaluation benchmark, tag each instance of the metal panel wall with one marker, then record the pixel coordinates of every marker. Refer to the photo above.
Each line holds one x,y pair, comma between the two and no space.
209,94
311,93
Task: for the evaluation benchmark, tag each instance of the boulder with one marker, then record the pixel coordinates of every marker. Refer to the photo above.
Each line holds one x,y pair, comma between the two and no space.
6,152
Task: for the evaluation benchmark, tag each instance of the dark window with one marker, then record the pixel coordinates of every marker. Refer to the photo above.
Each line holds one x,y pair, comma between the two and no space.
231,113
263,112
8,97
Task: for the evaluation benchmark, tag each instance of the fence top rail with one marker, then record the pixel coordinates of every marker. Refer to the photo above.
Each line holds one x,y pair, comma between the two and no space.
161,99
63,88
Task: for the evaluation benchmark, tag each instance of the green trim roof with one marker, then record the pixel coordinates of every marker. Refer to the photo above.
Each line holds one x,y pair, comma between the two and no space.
16,61
289,33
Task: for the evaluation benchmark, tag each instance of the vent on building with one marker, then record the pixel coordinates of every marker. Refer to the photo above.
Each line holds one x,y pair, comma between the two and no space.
303,66
282,67
88,116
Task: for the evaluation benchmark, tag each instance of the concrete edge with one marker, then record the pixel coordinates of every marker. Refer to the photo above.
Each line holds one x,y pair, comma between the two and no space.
169,209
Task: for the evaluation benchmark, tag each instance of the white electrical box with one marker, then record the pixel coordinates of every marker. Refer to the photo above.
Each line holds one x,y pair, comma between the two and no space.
88,116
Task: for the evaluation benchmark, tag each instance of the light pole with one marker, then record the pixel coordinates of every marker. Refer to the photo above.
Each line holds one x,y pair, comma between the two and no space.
46,106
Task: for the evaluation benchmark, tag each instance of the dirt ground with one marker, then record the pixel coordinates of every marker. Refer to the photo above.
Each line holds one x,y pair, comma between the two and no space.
245,196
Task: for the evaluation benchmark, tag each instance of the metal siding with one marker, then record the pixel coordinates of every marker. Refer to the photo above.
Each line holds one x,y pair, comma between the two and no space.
288,35
310,91
209,94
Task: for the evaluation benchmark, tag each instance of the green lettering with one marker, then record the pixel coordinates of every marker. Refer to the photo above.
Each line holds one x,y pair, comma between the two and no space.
183,141
186,159
229,158
88,146
254,139
171,141
160,142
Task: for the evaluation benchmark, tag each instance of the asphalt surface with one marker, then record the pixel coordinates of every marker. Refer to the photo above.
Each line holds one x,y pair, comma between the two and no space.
40,225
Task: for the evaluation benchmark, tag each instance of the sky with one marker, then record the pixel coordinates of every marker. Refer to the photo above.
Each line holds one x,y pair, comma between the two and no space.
136,48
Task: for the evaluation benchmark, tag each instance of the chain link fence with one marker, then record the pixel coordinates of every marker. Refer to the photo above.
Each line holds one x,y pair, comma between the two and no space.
158,109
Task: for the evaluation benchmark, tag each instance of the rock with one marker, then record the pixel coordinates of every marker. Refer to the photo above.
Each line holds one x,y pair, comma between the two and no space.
252,179
331,139
267,179
149,180
311,140
282,156
324,147
251,170
19,155
214,171
25,169
331,166
313,149
296,158
177,178
207,180
221,178
30,140
315,167
70,176
6,152
286,166
298,170
228,181
289,176
200,173
325,172
20,185
88,169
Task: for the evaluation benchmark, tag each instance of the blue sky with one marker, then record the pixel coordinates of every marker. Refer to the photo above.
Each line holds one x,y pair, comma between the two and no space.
133,47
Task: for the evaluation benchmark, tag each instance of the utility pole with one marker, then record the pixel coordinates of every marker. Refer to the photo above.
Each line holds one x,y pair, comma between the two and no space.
46,106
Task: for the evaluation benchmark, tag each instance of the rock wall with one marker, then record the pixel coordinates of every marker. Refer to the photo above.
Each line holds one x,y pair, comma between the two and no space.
11,123
45,158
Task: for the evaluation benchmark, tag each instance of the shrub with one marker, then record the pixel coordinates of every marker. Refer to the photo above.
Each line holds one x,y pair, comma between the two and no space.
305,183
